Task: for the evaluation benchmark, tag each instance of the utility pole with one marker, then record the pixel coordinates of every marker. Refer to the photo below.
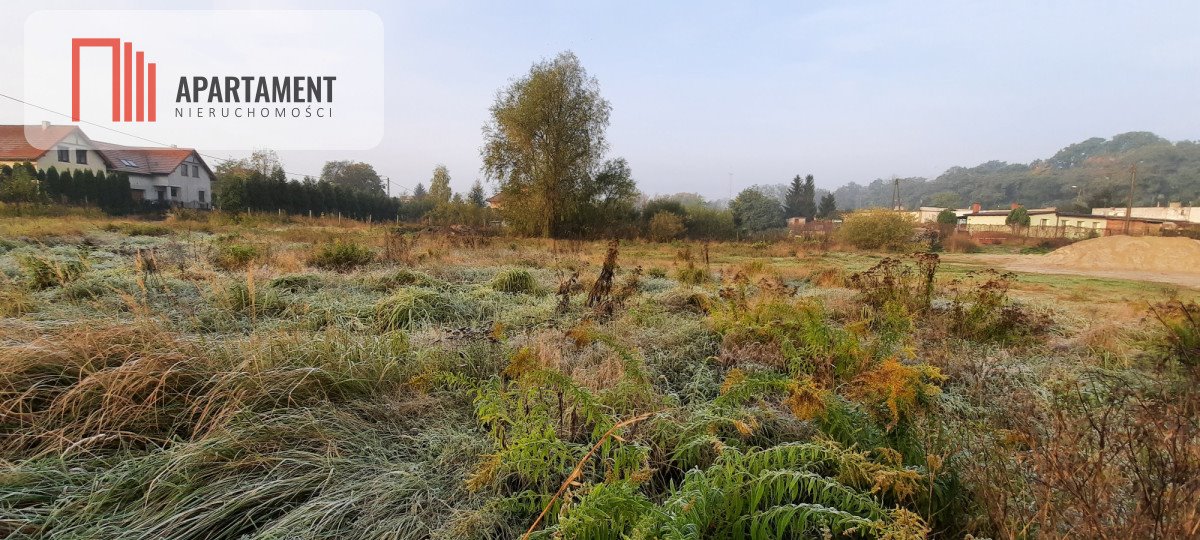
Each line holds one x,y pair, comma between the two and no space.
1129,207
896,193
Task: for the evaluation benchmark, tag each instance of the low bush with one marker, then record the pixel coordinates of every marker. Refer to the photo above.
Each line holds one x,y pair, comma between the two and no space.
877,229
1179,331
981,310
341,256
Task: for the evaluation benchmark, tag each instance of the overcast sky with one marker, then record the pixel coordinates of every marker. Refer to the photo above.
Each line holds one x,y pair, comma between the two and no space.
701,90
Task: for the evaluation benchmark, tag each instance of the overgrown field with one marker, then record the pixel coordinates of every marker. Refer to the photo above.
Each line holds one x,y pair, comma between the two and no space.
227,378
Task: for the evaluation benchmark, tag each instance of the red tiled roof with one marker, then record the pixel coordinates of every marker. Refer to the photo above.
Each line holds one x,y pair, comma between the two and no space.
28,143
144,160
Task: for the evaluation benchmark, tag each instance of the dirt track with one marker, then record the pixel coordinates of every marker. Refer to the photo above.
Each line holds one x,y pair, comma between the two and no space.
1035,264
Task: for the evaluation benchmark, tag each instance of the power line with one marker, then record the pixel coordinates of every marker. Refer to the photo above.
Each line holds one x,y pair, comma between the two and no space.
152,141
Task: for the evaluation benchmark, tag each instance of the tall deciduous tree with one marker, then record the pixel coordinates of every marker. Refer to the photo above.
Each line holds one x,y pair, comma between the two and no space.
353,175
545,146
439,185
753,211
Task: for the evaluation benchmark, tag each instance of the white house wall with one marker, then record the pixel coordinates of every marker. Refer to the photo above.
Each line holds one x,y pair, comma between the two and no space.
189,186
71,142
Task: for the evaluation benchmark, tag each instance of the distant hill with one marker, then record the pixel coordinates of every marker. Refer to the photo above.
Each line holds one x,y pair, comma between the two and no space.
1167,171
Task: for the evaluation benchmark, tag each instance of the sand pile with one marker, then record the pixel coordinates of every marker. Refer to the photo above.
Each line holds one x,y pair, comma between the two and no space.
1143,253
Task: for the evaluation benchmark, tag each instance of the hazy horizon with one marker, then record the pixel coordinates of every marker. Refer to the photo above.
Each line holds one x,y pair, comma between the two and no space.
700,91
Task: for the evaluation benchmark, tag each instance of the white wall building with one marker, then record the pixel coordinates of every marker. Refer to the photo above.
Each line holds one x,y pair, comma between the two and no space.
174,176
1171,212
66,148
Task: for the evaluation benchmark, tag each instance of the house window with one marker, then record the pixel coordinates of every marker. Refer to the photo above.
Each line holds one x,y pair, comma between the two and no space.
183,170
174,192
1045,222
196,171
161,193
200,196
64,155
81,157
1079,224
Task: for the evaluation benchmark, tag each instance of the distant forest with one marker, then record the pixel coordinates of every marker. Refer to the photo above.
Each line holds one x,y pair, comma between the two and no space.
1089,174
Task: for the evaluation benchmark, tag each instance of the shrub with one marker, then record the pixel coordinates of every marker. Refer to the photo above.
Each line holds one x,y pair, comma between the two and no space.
341,256
893,281
981,311
43,272
665,226
877,229
1180,330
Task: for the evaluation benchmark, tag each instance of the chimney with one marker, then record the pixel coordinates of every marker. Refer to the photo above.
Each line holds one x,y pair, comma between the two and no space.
975,207
1014,206
45,125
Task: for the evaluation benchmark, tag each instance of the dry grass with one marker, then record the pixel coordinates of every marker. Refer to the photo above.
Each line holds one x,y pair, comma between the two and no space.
420,397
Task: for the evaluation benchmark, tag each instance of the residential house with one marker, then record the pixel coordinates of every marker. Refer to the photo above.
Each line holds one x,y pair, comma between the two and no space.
1043,222
65,148
174,176
929,214
1174,211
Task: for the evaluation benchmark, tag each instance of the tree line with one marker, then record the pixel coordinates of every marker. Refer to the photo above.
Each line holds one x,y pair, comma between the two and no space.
1088,174
25,184
545,149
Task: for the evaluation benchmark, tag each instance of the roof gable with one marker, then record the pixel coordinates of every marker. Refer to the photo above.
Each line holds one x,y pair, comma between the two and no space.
147,160
29,143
